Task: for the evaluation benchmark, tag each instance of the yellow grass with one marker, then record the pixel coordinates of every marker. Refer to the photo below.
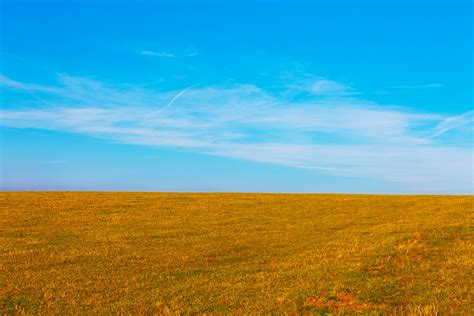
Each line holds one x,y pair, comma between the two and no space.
154,253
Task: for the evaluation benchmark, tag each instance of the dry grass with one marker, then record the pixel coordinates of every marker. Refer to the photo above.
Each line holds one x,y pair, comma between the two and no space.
149,253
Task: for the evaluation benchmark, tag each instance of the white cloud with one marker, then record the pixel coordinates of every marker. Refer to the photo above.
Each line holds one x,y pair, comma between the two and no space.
331,88
5,81
13,84
157,54
416,168
453,122
337,135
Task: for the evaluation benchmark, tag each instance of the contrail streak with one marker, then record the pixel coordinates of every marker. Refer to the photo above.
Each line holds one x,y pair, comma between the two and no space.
176,97
452,123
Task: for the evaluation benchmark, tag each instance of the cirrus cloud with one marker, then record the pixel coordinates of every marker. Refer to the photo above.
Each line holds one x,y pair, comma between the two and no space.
339,134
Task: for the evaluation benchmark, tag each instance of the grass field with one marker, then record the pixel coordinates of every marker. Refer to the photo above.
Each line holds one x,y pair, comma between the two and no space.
157,253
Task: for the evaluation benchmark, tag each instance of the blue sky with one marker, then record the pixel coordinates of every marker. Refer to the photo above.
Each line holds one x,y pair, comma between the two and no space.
268,96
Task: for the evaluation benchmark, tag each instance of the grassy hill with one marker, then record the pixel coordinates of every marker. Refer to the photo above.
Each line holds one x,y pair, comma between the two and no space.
156,253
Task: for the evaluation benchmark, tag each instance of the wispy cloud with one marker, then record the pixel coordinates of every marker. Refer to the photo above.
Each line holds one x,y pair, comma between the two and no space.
5,81
453,122
316,86
188,52
331,88
176,97
157,54
13,84
420,86
338,134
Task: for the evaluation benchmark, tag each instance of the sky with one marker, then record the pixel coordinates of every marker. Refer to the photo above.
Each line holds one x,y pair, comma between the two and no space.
250,96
